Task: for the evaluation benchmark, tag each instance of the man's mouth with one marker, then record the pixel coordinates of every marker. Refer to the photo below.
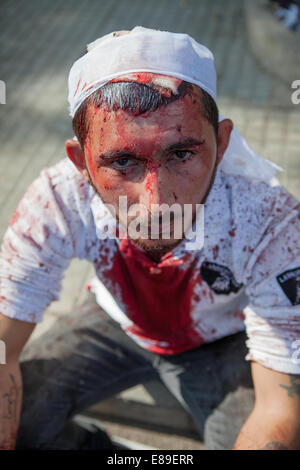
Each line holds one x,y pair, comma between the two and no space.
162,229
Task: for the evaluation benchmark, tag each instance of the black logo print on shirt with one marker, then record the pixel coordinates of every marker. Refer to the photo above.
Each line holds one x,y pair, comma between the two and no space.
289,282
219,278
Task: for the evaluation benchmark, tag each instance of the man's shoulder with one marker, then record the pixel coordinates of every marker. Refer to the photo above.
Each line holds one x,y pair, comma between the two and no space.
241,186
64,171
58,194
67,183
257,196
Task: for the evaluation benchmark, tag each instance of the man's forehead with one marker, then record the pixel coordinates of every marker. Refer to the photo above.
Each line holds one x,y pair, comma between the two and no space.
178,121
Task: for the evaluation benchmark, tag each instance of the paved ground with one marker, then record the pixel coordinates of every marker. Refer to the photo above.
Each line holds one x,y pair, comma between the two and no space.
40,39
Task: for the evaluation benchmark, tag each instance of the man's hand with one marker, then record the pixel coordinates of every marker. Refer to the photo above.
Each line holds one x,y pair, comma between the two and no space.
13,334
274,423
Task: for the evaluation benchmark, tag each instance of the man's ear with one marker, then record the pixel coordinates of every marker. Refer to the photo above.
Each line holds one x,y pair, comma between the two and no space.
224,132
76,155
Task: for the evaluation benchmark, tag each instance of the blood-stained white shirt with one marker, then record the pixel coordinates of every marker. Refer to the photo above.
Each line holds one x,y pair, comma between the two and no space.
247,275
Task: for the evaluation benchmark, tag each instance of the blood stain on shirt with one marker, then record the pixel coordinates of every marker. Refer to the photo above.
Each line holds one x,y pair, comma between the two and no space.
215,251
14,218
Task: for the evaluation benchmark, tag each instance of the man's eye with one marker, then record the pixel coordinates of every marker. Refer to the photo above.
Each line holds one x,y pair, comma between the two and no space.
183,155
122,163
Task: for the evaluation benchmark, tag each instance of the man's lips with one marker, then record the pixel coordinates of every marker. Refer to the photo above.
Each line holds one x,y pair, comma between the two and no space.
163,228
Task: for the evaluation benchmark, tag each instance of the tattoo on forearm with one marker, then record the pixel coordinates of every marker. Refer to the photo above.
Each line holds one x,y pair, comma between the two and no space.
11,401
274,445
294,387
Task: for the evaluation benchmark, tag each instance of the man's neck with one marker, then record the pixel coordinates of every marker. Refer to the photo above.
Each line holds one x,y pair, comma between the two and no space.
156,254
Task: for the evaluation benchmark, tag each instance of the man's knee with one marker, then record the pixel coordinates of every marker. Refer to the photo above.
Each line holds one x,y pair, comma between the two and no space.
45,405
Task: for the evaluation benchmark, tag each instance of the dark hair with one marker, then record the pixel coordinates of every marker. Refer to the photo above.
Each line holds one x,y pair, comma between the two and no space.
137,98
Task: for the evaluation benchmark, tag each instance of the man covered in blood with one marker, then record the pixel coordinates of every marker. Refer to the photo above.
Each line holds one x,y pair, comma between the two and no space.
162,312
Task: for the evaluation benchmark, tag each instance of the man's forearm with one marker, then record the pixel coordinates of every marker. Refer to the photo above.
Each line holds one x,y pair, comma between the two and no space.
10,404
263,431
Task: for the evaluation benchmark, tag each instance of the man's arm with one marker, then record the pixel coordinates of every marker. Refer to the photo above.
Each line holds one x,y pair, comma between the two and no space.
274,423
13,335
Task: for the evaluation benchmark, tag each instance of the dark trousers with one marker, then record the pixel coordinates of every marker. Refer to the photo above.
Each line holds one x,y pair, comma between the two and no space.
86,357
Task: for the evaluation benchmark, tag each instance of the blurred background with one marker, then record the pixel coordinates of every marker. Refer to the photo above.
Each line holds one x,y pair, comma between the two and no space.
257,58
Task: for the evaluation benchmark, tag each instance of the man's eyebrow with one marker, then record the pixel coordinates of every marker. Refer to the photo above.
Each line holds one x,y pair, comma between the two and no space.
115,154
182,144
189,142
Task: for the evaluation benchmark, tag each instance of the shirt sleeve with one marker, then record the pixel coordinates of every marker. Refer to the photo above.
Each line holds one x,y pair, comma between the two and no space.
272,279
37,248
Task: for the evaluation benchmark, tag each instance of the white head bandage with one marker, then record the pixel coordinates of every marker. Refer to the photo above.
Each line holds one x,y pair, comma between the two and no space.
165,53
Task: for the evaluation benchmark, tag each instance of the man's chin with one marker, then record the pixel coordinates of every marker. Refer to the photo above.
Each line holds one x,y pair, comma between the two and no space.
162,246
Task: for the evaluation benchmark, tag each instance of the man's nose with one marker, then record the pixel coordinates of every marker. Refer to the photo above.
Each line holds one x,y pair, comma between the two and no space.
155,189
